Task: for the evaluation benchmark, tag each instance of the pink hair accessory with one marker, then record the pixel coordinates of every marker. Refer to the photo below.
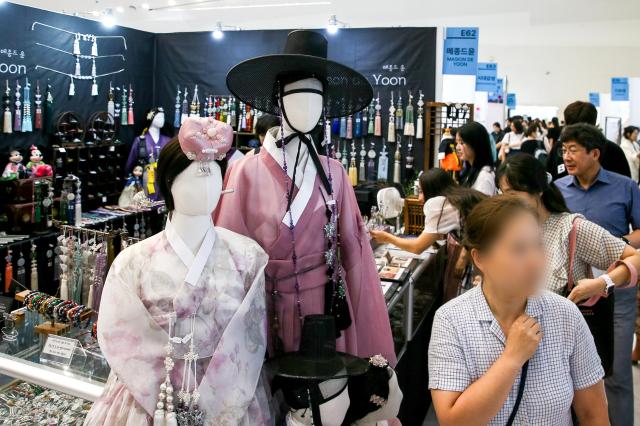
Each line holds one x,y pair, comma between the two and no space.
205,139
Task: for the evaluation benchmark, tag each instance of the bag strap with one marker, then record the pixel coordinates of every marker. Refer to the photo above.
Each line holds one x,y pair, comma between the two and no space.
523,380
573,236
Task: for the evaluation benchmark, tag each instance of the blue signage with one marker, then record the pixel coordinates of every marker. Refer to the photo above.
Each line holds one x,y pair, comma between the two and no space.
511,100
497,97
619,89
486,77
460,51
594,98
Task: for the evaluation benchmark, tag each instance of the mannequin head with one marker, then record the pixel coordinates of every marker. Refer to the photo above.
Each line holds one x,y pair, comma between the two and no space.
158,121
333,411
184,189
302,109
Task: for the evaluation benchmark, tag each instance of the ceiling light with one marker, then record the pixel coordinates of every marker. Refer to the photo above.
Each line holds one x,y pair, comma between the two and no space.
120,9
2,1
332,25
108,20
145,6
218,34
243,6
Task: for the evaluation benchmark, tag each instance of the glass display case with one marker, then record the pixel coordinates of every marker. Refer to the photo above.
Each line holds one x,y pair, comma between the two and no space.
47,378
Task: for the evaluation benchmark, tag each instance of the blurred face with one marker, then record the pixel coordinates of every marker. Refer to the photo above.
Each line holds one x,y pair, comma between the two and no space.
465,152
514,264
496,128
634,136
577,160
532,200
513,128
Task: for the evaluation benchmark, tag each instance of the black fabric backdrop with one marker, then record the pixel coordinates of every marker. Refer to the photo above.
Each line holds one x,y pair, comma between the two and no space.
16,34
188,58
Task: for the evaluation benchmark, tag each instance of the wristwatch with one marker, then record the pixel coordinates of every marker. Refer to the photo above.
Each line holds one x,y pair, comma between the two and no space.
609,285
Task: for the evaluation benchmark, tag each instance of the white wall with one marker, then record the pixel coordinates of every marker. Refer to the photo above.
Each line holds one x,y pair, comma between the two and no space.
559,75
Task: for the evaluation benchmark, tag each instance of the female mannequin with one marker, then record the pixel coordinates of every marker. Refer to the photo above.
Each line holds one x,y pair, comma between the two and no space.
203,287
146,148
294,202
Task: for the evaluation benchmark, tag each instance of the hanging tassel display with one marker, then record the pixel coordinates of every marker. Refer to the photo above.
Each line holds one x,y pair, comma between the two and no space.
130,115
7,126
420,121
123,107
48,109
38,102
34,268
27,124
64,288
94,88
357,129
93,69
76,45
90,298
391,130
409,128
111,105
349,131
377,131
94,47
372,119
72,88
327,138
78,72
365,123
397,164
343,127
176,114
383,163
399,114
353,172
335,126
8,273
17,116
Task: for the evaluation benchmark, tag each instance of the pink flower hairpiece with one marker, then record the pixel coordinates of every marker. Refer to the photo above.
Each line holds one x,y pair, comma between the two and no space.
205,139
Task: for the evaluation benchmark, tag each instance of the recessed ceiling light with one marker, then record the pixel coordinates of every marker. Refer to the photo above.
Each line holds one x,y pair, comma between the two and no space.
108,20
145,6
120,9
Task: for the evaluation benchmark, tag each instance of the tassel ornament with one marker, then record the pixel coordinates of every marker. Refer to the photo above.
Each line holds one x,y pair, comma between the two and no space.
94,88
8,273
7,124
94,47
34,268
78,72
72,88
391,130
420,120
76,45
353,172
343,127
349,131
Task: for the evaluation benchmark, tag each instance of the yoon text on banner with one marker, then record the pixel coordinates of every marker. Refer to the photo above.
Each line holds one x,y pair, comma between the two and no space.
460,51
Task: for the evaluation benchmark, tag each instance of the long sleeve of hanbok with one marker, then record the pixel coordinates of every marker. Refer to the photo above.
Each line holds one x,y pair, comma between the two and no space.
133,156
371,317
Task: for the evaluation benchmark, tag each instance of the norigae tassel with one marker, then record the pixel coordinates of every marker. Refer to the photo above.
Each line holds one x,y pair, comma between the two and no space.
94,88
94,47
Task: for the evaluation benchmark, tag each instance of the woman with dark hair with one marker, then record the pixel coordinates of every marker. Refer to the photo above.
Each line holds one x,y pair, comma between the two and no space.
511,143
446,205
474,148
594,246
506,352
631,148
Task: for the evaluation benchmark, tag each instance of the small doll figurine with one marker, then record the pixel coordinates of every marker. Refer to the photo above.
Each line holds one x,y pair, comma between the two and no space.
35,161
131,188
14,169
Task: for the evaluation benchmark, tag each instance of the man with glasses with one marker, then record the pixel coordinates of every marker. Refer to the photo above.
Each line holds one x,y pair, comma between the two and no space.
613,202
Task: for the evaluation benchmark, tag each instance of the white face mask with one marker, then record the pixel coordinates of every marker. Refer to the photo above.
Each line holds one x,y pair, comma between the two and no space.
303,109
195,195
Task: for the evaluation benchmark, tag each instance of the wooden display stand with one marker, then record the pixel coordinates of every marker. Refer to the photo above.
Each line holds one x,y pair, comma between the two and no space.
51,327
413,216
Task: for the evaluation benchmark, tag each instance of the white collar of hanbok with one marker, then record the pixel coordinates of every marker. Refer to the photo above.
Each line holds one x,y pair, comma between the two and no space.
195,264
308,179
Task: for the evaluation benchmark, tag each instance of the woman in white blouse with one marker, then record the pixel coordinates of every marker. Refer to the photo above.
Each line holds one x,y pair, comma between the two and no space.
512,142
474,148
631,148
445,207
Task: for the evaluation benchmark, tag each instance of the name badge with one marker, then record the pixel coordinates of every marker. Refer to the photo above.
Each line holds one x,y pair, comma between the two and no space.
561,168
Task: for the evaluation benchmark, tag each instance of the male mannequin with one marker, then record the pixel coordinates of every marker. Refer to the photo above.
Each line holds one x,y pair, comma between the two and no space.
146,148
190,290
294,216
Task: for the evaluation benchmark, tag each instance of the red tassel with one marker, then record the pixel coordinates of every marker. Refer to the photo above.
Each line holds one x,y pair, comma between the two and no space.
130,116
8,276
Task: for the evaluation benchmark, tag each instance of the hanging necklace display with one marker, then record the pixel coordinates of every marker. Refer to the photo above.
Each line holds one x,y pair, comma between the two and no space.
184,113
399,114
353,170
195,103
38,111
391,131
130,121
420,120
123,107
27,124
377,127
8,272
397,163
357,129
383,163
361,172
7,126
17,116
371,163
176,105
111,106
34,268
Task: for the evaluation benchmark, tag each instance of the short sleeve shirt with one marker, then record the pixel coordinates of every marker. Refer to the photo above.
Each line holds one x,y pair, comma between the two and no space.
595,246
440,216
466,340
485,182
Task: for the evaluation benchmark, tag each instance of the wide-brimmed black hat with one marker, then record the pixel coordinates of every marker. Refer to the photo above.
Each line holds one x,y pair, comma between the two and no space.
317,358
255,81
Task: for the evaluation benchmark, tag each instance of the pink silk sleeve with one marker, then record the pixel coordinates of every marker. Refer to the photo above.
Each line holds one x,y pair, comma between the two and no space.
224,215
371,317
